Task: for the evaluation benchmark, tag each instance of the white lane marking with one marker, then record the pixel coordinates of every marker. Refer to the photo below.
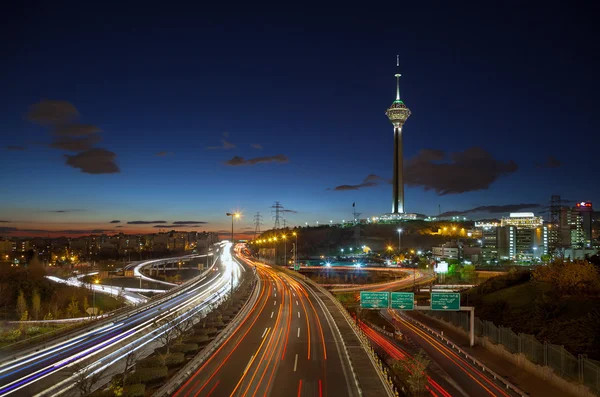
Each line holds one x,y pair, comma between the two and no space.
249,362
296,302
275,295
272,314
263,335
298,332
298,314
294,293
274,303
295,362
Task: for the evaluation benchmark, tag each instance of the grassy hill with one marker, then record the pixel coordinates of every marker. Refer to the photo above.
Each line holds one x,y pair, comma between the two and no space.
535,307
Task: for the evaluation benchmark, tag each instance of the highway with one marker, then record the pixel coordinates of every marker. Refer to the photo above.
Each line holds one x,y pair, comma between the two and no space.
470,380
285,346
51,370
416,276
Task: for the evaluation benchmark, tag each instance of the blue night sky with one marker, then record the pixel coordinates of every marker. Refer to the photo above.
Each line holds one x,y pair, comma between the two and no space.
309,88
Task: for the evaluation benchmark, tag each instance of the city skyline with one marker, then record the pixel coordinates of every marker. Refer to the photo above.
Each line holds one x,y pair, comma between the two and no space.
218,123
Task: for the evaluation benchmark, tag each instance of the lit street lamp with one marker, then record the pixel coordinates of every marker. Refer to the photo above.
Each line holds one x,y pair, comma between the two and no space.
284,237
233,215
295,250
399,241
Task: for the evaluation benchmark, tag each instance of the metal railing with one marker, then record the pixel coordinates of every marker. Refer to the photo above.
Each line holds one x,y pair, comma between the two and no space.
578,369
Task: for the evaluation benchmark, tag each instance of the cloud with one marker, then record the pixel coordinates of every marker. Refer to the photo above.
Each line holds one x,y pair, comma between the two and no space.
68,231
551,162
289,211
94,161
120,226
76,144
52,112
471,170
189,223
15,148
237,160
163,153
115,221
75,130
224,145
176,226
5,221
370,181
144,222
493,209
65,211
256,146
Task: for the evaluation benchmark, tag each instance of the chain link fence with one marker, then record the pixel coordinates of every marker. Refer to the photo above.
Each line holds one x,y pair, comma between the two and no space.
566,365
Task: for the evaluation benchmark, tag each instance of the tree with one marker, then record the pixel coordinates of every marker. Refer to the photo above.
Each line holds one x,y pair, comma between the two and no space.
36,304
130,360
85,379
414,370
165,331
21,304
73,308
467,273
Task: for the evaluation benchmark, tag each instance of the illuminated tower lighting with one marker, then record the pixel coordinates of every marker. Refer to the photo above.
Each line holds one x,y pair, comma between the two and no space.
398,113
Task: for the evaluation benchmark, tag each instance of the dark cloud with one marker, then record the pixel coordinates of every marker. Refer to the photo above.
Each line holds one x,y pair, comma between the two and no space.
289,211
493,209
75,130
144,222
237,160
115,221
76,144
120,226
177,226
94,161
7,229
189,223
551,162
15,148
471,170
1,221
52,112
65,211
370,181
163,153
256,146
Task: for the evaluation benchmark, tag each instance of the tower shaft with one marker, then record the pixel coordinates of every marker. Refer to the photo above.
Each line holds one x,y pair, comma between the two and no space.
398,182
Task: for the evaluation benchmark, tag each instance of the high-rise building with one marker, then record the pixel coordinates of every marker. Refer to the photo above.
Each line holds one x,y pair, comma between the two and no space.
398,113
586,212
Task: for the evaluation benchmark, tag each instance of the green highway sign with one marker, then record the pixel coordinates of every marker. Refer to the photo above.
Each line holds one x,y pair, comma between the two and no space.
374,300
403,300
297,267
445,301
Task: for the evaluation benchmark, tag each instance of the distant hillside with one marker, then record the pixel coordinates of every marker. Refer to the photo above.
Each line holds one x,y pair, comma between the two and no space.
536,308
326,240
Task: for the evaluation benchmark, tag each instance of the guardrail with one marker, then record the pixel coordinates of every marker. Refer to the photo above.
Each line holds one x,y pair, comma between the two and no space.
184,373
386,379
469,357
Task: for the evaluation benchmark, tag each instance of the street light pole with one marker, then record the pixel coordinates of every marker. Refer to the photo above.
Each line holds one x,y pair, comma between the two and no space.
296,250
284,237
233,215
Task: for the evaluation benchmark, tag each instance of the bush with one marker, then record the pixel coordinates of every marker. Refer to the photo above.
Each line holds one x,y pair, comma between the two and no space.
185,347
199,339
226,318
134,390
174,359
211,330
147,375
152,361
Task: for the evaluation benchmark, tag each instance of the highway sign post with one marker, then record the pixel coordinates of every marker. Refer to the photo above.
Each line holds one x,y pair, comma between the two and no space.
403,300
374,300
445,301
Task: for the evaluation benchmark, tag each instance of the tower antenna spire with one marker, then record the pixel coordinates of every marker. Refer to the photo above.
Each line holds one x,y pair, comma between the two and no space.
397,77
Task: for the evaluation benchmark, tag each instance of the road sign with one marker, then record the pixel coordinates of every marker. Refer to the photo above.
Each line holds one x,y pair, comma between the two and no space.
374,300
297,267
445,301
403,300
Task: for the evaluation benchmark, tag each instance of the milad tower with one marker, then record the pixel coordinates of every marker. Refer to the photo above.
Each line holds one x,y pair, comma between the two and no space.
398,113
